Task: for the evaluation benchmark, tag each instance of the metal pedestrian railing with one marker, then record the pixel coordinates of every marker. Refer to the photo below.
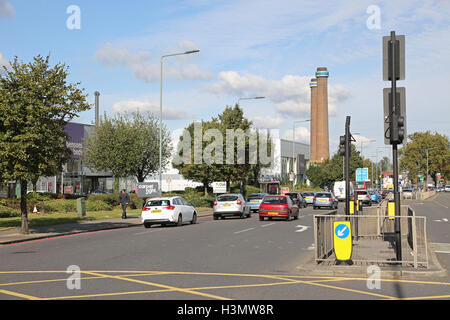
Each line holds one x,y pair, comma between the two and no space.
373,237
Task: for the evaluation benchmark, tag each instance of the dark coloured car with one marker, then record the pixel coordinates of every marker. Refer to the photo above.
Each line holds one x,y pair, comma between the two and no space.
297,198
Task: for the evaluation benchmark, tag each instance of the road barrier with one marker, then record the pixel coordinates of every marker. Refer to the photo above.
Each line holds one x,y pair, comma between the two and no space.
373,237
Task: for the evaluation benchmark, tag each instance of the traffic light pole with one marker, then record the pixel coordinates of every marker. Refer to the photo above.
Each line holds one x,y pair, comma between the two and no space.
394,116
347,166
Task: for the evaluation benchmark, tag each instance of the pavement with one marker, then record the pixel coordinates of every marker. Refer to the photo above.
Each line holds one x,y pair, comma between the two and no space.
13,235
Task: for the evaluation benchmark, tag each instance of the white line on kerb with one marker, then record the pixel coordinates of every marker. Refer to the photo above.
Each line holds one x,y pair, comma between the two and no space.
244,230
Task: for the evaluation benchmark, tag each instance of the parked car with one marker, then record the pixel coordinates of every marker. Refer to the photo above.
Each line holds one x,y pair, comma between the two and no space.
232,204
278,206
254,200
309,197
364,197
297,198
407,194
375,196
325,199
168,210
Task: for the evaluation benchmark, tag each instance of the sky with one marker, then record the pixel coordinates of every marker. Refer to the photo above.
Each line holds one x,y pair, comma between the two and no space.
247,49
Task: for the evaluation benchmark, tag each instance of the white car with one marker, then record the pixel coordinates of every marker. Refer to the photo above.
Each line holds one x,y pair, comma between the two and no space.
168,210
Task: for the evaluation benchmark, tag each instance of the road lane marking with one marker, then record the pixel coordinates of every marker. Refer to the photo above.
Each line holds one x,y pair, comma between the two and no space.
301,228
159,285
266,225
249,229
19,295
441,204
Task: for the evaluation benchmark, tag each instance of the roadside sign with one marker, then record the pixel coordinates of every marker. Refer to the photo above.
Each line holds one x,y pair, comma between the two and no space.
284,190
219,187
147,189
391,210
342,240
362,174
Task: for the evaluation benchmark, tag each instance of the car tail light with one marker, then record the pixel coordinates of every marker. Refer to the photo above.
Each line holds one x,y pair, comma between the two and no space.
170,208
239,202
314,199
284,207
331,199
146,209
215,203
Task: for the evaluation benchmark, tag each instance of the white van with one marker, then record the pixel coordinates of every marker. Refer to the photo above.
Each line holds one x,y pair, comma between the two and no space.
339,190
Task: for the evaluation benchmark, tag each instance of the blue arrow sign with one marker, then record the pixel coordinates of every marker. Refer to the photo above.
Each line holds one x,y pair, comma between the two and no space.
342,231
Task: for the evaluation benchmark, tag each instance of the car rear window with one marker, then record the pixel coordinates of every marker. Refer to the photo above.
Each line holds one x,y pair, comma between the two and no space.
275,200
157,203
361,192
292,195
308,194
227,198
255,196
323,195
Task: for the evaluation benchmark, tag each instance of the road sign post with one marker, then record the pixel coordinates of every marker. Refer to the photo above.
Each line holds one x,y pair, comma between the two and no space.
393,70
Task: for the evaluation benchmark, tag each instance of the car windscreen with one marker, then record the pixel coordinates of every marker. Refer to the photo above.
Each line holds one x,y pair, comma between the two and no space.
291,195
227,198
157,203
323,195
255,196
274,200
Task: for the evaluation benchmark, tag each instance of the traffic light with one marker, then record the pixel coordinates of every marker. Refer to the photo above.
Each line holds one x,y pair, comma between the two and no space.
342,146
394,118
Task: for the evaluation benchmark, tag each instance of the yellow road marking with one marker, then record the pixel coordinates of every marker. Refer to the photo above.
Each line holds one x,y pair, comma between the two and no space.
161,286
20,295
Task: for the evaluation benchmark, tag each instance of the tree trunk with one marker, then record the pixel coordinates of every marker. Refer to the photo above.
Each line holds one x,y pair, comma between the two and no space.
116,185
205,187
23,207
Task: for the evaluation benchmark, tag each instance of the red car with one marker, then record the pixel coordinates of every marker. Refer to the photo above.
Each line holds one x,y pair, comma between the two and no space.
278,207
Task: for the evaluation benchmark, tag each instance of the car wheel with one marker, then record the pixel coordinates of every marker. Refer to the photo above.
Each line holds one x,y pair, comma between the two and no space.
180,221
261,218
289,217
215,217
194,219
147,225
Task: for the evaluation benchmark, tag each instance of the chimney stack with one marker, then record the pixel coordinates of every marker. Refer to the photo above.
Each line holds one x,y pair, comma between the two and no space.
97,119
323,144
313,122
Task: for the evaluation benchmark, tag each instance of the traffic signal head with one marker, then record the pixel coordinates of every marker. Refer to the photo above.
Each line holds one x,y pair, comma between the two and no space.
342,145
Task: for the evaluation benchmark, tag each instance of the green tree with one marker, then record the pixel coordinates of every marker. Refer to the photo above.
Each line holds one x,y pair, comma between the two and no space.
331,170
413,155
128,145
36,102
205,171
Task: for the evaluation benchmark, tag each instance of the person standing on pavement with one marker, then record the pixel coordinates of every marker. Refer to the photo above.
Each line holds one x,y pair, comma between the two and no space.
124,199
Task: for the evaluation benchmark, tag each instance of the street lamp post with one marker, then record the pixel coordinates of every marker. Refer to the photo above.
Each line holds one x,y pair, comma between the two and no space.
427,165
160,112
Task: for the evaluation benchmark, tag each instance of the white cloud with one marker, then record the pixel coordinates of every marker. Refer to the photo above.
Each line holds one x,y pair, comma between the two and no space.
302,134
3,63
291,95
144,66
169,113
266,122
6,9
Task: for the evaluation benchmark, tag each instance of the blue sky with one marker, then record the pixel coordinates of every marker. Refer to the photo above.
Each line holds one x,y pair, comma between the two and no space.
247,48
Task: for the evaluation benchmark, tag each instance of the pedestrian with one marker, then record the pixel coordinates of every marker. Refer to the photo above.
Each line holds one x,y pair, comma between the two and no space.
124,199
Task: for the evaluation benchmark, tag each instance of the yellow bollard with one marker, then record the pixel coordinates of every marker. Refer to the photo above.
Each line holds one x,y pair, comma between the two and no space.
352,206
391,210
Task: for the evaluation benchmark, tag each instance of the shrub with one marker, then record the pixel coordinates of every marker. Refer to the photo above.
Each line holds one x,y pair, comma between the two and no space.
58,205
6,212
112,199
97,205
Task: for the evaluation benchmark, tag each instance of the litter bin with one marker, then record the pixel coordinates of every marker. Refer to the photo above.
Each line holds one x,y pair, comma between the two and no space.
81,207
